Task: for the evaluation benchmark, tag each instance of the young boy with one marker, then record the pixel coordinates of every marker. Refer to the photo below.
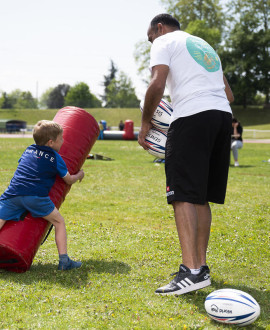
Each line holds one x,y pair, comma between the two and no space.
29,188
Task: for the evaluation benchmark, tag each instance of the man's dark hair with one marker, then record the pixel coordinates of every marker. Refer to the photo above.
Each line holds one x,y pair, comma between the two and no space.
165,19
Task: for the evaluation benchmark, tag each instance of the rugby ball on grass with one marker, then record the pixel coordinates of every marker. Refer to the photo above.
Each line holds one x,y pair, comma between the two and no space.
156,140
232,306
162,115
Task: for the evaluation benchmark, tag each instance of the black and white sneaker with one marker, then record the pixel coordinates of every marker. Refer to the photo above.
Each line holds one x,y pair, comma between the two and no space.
185,282
206,268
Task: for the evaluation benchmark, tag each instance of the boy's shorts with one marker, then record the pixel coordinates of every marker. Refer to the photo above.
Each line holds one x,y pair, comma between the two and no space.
197,157
13,208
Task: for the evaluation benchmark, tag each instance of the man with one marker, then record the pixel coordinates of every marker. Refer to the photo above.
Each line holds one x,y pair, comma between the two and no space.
198,144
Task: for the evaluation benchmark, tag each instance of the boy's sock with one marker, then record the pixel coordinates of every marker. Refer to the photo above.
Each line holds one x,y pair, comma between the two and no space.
63,258
65,263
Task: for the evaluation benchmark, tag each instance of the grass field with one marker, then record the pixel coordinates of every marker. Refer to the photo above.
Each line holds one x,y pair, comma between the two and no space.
120,226
251,118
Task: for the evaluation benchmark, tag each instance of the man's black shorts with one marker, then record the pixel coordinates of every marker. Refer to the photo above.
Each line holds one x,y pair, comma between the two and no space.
198,156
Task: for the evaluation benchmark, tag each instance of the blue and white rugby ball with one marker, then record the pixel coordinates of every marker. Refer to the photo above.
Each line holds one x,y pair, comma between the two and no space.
232,306
156,139
162,115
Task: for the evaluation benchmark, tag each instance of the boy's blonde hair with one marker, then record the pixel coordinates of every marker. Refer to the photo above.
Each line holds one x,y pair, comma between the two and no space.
46,130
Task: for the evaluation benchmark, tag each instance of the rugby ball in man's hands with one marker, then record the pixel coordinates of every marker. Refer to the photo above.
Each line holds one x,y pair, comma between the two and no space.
162,115
232,306
156,140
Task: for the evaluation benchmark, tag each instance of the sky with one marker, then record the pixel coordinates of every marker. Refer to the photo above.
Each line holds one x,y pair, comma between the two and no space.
44,43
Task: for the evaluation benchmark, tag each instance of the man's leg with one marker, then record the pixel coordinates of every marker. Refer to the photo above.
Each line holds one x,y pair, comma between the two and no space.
193,222
186,219
204,225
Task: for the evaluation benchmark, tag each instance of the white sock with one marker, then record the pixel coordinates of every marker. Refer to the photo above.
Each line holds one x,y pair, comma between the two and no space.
195,271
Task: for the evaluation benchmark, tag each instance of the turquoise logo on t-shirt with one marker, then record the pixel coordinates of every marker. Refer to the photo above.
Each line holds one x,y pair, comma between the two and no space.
203,54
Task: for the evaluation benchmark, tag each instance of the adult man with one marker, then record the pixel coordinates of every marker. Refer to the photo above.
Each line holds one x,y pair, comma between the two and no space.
198,143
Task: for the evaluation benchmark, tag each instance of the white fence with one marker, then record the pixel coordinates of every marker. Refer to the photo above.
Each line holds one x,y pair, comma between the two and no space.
256,134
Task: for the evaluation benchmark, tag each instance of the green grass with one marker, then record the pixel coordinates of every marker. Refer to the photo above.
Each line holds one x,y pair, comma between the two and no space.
112,116
252,118
120,226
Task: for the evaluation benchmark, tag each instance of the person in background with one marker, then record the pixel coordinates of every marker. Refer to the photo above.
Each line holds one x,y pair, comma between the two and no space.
121,125
198,143
237,141
101,130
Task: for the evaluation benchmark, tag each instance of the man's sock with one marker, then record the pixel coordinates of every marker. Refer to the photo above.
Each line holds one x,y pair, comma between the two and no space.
195,271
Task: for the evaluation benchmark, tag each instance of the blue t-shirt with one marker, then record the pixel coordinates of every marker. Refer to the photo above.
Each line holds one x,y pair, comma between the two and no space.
36,172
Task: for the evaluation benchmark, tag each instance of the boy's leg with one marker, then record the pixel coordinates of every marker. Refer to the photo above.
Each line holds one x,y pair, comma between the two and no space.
2,222
56,219
65,263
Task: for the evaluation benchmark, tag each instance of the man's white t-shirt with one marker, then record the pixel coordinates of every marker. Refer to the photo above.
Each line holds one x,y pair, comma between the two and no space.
195,79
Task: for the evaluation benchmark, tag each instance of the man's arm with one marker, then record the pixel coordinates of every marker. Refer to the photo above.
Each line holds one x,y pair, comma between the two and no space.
153,96
228,90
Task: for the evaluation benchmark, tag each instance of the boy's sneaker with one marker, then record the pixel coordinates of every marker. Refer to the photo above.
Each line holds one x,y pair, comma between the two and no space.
69,264
236,164
185,282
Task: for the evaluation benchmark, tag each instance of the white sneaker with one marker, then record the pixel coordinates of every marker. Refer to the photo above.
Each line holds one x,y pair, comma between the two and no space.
236,164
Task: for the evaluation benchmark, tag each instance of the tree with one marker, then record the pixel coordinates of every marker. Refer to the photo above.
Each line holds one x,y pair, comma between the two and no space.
25,101
80,96
245,55
187,11
13,97
5,102
142,58
18,99
43,101
56,97
121,93
107,80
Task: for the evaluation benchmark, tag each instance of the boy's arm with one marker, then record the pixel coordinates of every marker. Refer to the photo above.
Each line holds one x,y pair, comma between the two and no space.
70,179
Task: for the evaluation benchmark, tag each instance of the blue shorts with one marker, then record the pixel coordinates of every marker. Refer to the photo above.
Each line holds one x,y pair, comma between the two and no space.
13,208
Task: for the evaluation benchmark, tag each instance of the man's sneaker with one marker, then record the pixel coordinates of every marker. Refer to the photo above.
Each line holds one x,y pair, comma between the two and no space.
185,282
206,268
236,164
69,264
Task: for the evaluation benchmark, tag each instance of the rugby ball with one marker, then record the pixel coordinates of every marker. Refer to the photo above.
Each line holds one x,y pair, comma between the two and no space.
156,140
162,115
232,306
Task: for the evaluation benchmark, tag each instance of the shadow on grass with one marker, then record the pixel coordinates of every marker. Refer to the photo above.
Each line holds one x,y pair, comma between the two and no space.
242,166
75,278
262,297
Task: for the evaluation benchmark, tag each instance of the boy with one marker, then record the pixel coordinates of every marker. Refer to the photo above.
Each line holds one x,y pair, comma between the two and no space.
30,186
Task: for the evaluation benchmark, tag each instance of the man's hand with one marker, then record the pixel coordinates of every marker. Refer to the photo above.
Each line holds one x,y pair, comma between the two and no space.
145,127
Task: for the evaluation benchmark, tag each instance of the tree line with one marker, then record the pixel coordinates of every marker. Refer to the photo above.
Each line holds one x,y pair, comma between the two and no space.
118,93
238,31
